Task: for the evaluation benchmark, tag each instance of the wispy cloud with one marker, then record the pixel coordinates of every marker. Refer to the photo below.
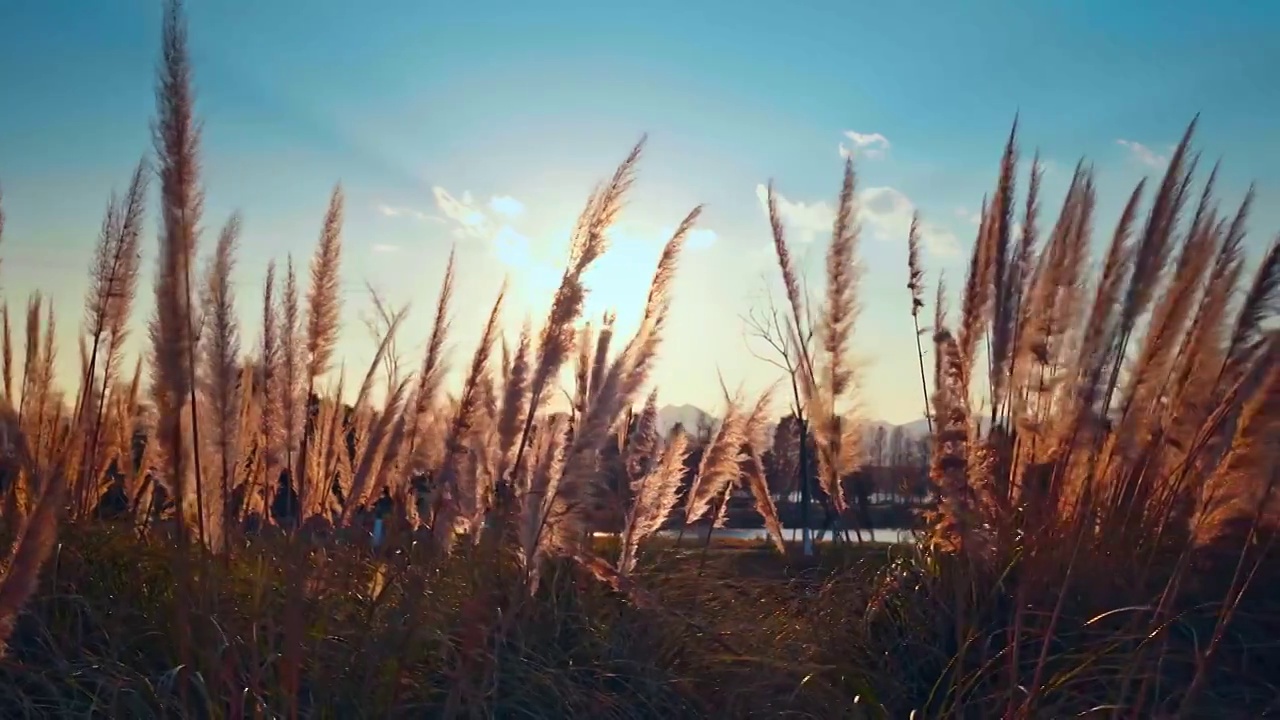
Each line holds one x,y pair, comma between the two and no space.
506,205
700,238
471,220
397,212
1048,168
1144,154
512,248
872,145
383,248
972,217
885,214
697,239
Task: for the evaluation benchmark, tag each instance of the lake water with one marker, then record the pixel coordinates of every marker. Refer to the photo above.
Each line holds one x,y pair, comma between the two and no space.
885,535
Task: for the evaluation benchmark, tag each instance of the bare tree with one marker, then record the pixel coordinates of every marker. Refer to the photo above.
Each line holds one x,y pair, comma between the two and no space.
770,327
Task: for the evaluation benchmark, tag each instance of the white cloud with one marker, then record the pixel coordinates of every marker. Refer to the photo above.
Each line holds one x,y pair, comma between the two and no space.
872,145
805,221
1144,154
885,214
384,248
506,205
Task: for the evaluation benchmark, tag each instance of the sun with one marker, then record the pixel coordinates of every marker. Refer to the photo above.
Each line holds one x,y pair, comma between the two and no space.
617,282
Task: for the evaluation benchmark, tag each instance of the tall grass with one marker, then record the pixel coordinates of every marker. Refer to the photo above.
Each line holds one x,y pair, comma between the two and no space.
1130,465
1106,501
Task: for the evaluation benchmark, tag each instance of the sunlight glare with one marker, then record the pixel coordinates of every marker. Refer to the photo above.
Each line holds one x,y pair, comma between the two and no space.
617,282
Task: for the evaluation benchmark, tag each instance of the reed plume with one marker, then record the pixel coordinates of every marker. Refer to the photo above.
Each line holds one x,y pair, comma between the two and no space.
222,363
977,297
828,399
956,522
177,140
48,405
1100,329
719,467
323,308
456,500
582,371
915,284
1168,463
538,496
1150,257
587,243
601,357
579,492
1019,276
431,375
790,278
6,354
1260,304
754,473
643,442
378,439
1053,308
30,355
108,305
371,445
323,302
272,368
515,398
1191,385
37,533
1169,318
1003,274
835,429
655,493
1239,488
291,404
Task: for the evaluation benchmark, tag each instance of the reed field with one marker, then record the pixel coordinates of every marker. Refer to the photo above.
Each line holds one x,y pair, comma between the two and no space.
190,533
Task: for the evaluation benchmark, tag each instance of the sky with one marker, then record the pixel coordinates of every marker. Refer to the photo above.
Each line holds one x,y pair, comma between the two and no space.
483,126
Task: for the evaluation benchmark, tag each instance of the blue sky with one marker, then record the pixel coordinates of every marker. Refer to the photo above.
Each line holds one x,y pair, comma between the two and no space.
429,111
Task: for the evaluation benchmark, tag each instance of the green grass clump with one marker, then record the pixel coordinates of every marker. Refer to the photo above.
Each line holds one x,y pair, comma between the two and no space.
738,631
401,635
